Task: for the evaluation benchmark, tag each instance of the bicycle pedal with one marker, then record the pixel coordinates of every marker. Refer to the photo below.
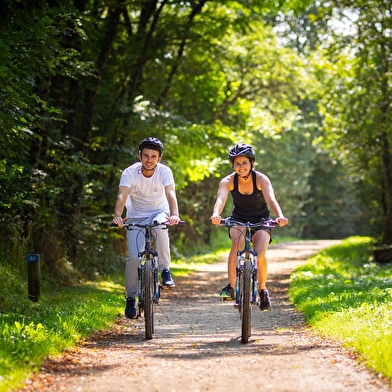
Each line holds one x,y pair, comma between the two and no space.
226,299
165,287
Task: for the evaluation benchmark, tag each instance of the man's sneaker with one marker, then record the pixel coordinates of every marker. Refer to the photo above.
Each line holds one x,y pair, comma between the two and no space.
130,309
167,281
227,293
265,302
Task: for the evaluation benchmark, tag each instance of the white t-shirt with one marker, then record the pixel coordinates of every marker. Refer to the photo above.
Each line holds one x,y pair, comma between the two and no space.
146,196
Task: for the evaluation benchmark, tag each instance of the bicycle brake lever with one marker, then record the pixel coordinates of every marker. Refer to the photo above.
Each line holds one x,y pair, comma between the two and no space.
226,222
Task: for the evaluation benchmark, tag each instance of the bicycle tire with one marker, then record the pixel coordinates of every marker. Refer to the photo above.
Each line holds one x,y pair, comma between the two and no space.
245,302
148,299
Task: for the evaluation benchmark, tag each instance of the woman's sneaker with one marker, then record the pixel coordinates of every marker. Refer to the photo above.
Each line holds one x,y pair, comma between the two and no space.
265,302
130,309
227,293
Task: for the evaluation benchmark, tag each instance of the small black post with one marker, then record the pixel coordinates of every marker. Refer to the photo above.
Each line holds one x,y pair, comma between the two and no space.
34,276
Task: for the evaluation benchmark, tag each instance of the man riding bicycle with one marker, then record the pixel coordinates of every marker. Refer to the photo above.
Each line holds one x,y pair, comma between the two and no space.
252,194
147,192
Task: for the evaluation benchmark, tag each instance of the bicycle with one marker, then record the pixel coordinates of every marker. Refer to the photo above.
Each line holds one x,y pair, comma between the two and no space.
246,281
148,291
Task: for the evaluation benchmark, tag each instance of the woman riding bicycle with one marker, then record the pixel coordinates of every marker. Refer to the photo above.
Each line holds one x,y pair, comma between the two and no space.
253,195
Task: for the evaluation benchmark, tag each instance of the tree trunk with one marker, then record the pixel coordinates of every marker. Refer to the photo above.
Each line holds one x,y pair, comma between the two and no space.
383,255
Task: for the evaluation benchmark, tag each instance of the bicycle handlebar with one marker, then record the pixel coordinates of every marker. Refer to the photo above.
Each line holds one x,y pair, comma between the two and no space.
142,226
267,223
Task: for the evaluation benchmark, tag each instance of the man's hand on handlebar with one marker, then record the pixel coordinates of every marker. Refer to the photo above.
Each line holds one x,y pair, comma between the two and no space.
118,221
173,220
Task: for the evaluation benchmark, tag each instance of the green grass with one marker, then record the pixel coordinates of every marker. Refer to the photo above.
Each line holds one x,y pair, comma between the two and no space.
30,331
347,297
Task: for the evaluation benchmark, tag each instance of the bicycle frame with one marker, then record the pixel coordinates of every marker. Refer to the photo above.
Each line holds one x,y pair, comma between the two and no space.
148,290
147,254
247,253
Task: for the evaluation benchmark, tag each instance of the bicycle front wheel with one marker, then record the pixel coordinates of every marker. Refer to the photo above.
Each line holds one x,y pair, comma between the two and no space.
245,302
148,291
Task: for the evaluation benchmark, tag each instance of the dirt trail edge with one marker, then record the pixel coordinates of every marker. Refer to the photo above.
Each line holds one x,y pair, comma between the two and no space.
197,345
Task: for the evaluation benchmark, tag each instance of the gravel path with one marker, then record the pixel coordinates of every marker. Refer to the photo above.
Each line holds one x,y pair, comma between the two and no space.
197,345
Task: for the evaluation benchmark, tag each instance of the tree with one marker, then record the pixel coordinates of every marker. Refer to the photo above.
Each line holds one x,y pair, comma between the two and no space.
102,75
357,104
30,55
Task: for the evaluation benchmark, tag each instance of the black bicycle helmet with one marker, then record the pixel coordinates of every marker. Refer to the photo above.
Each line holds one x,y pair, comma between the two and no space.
242,149
151,142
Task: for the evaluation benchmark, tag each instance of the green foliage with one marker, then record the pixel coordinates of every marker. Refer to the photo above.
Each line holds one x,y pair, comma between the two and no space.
349,53
95,260
83,83
346,296
357,116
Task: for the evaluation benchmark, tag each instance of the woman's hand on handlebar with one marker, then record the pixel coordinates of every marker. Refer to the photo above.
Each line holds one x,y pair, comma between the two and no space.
282,221
215,219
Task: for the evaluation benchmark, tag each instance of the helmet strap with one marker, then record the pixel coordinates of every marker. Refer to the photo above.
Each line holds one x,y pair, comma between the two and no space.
247,176
250,171
145,169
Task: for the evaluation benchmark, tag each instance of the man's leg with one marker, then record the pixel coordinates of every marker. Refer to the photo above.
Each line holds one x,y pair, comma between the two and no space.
162,246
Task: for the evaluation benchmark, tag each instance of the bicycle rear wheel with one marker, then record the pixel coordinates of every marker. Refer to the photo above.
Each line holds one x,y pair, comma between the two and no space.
245,302
148,299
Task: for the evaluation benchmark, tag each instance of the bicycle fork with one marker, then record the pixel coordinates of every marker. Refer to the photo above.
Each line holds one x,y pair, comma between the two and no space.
254,280
242,256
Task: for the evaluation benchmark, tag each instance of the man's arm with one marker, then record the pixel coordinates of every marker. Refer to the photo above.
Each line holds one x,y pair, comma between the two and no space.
173,204
120,204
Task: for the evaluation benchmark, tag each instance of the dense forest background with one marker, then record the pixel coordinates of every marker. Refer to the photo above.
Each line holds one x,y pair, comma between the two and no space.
307,83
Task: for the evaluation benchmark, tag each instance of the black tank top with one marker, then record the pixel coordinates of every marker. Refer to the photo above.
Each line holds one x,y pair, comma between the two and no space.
249,208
